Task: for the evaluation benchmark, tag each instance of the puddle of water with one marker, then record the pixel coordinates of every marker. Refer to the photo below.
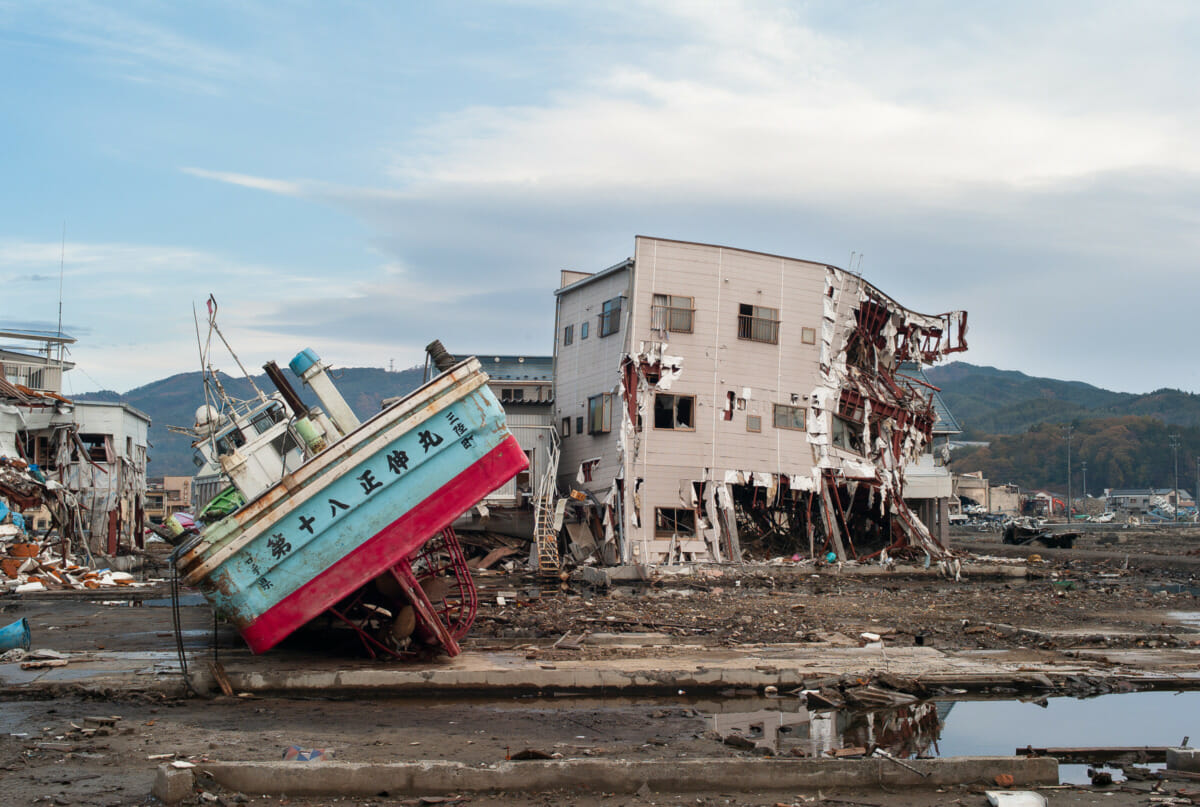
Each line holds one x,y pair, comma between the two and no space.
972,728
1190,618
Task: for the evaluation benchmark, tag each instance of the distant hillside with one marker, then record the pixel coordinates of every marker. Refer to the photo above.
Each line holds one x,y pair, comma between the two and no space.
173,402
988,401
1120,452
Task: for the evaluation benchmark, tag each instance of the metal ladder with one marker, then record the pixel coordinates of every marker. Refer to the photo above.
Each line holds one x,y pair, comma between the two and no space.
549,563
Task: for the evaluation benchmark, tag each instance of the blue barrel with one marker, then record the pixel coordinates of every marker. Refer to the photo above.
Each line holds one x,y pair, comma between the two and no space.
15,635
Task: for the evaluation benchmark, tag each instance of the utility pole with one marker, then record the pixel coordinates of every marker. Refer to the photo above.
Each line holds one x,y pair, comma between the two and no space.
1084,469
1069,429
1175,451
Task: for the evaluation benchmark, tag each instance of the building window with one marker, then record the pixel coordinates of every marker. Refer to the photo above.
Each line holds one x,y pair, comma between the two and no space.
758,323
610,318
672,313
568,335
566,427
670,521
674,411
583,330
808,336
789,417
600,414
847,435
579,424
753,423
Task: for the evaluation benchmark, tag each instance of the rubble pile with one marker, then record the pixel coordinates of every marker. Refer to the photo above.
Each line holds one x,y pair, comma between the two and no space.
29,566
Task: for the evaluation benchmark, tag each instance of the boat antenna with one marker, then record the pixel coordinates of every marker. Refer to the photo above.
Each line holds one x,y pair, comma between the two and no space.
62,260
212,323
206,374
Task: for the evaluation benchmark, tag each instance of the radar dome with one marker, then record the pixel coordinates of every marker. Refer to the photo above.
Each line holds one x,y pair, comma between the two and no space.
207,416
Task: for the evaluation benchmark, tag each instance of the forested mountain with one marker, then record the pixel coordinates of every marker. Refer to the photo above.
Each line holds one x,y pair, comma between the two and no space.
1124,438
173,402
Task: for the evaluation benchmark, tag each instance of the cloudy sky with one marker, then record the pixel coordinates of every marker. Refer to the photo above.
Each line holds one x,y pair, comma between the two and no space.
363,177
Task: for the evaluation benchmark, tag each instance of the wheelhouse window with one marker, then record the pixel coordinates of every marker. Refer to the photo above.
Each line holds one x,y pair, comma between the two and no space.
600,414
610,317
789,417
758,323
670,521
671,312
674,411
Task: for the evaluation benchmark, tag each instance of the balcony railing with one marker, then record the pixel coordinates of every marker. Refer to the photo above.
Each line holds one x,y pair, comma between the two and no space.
758,329
671,318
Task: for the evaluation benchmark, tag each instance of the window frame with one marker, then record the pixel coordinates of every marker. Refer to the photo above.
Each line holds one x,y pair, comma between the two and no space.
750,325
664,310
568,334
583,330
757,418
659,514
808,336
674,412
599,409
564,429
778,408
610,316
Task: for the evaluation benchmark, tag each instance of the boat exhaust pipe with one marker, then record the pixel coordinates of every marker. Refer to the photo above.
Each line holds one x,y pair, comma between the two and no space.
307,365
442,359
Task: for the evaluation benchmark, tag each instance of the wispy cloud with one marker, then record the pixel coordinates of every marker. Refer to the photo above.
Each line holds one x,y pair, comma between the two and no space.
138,42
279,186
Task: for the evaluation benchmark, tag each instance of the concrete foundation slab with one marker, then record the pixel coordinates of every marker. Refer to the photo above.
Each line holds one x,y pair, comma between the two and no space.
620,776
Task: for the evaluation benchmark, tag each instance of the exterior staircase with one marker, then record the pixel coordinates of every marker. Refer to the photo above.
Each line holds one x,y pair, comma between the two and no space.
546,514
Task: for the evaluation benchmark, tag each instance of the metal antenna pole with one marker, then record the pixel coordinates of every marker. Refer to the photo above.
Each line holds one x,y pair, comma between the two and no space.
1069,428
62,261
1175,451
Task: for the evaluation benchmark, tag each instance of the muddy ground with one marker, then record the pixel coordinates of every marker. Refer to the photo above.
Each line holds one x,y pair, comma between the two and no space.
1120,589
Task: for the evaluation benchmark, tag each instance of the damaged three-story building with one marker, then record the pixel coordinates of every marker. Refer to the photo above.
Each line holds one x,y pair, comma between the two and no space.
708,397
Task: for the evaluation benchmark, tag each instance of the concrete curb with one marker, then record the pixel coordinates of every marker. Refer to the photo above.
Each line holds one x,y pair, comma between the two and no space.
432,777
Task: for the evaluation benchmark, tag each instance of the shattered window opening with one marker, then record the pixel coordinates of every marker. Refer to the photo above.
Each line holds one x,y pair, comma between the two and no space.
610,318
670,521
758,323
847,435
587,468
566,428
600,413
789,417
568,335
753,423
674,411
672,313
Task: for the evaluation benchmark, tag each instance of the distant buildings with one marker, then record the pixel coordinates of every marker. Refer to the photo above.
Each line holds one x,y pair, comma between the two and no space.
168,495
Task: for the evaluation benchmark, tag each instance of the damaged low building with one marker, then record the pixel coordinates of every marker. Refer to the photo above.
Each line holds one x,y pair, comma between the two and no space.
84,462
709,398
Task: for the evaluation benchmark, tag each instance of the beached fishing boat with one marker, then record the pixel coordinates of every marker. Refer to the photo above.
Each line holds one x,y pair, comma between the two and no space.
356,522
